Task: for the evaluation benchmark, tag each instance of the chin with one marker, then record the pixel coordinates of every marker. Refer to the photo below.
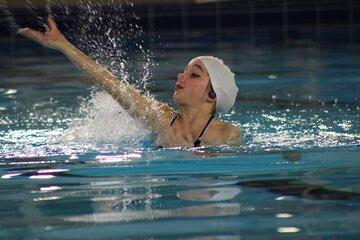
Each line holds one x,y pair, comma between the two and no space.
177,99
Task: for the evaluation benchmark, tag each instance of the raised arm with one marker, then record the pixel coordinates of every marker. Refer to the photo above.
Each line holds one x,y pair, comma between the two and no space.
148,110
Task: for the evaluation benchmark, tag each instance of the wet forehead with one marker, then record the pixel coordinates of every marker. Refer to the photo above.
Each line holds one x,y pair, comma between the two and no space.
197,63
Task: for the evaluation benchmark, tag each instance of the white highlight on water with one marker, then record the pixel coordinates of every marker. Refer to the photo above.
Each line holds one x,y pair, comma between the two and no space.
105,121
284,215
41,176
288,230
8,176
50,189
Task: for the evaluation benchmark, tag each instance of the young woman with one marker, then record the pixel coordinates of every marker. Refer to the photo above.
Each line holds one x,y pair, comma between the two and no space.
206,85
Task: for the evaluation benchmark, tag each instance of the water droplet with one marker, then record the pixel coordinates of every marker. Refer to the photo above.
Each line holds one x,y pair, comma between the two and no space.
10,91
272,76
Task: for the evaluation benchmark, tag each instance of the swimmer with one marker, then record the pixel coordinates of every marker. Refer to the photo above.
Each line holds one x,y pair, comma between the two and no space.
205,86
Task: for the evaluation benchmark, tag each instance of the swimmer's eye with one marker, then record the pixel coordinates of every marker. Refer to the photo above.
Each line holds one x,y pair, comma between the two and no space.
195,75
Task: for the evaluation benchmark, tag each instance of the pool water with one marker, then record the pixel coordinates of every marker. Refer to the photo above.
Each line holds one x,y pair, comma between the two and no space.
74,165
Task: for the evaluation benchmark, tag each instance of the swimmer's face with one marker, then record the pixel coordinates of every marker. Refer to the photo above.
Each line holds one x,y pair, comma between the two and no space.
191,85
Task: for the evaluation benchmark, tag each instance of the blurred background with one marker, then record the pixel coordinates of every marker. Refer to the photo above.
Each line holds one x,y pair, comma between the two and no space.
253,21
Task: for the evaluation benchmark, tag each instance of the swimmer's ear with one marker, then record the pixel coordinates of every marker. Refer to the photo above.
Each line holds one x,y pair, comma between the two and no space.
211,97
210,100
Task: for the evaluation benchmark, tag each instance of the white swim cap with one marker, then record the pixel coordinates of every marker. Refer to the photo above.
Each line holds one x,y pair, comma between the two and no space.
222,81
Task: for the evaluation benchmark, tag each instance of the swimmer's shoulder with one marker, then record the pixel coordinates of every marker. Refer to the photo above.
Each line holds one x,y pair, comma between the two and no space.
164,113
233,134
225,133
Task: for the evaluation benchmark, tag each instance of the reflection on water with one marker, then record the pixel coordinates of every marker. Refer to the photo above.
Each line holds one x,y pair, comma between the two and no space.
209,194
302,189
74,165
211,210
292,156
216,197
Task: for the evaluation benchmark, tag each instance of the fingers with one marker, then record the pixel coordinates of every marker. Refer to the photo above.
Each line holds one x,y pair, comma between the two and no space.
32,34
52,23
22,30
47,28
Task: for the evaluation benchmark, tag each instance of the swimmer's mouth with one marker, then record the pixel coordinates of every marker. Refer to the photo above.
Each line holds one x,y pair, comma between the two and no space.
177,87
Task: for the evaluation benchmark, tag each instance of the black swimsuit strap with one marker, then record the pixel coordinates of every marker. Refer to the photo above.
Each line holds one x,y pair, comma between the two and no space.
173,120
197,141
206,126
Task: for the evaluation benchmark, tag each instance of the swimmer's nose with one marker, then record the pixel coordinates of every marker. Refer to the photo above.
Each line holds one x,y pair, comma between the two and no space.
180,76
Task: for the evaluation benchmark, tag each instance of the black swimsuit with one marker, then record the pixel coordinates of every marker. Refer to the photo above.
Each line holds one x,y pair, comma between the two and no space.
198,141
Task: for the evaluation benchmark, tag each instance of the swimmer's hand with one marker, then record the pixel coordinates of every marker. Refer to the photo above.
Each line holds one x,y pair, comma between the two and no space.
138,106
52,38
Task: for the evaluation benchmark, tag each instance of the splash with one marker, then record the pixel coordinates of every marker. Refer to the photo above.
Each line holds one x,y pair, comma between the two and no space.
35,12
109,33
104,122
12,25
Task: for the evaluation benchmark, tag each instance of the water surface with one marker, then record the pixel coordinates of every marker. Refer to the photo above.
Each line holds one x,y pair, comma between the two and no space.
74,165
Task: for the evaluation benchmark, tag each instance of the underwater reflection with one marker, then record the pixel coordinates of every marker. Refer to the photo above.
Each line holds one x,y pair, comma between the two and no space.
293,156
210,194
197,211
301,189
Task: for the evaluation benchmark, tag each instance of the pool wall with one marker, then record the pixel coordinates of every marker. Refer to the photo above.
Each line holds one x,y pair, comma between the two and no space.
274,21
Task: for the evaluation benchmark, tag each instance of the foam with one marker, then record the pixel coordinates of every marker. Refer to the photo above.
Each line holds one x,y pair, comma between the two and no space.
104,122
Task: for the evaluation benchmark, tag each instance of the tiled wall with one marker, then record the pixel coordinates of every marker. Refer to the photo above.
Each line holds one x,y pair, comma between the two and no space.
319,21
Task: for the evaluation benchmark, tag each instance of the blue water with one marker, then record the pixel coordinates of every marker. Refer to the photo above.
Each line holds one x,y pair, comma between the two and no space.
73,165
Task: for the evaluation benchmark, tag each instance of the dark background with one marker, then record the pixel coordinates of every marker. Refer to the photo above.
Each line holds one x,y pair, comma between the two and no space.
253,21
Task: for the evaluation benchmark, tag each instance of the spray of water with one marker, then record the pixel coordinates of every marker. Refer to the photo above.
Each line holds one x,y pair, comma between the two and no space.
34,12
109,33
105,122
12,24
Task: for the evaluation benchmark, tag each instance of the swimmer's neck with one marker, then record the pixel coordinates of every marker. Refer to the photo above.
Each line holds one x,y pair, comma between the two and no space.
190,118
